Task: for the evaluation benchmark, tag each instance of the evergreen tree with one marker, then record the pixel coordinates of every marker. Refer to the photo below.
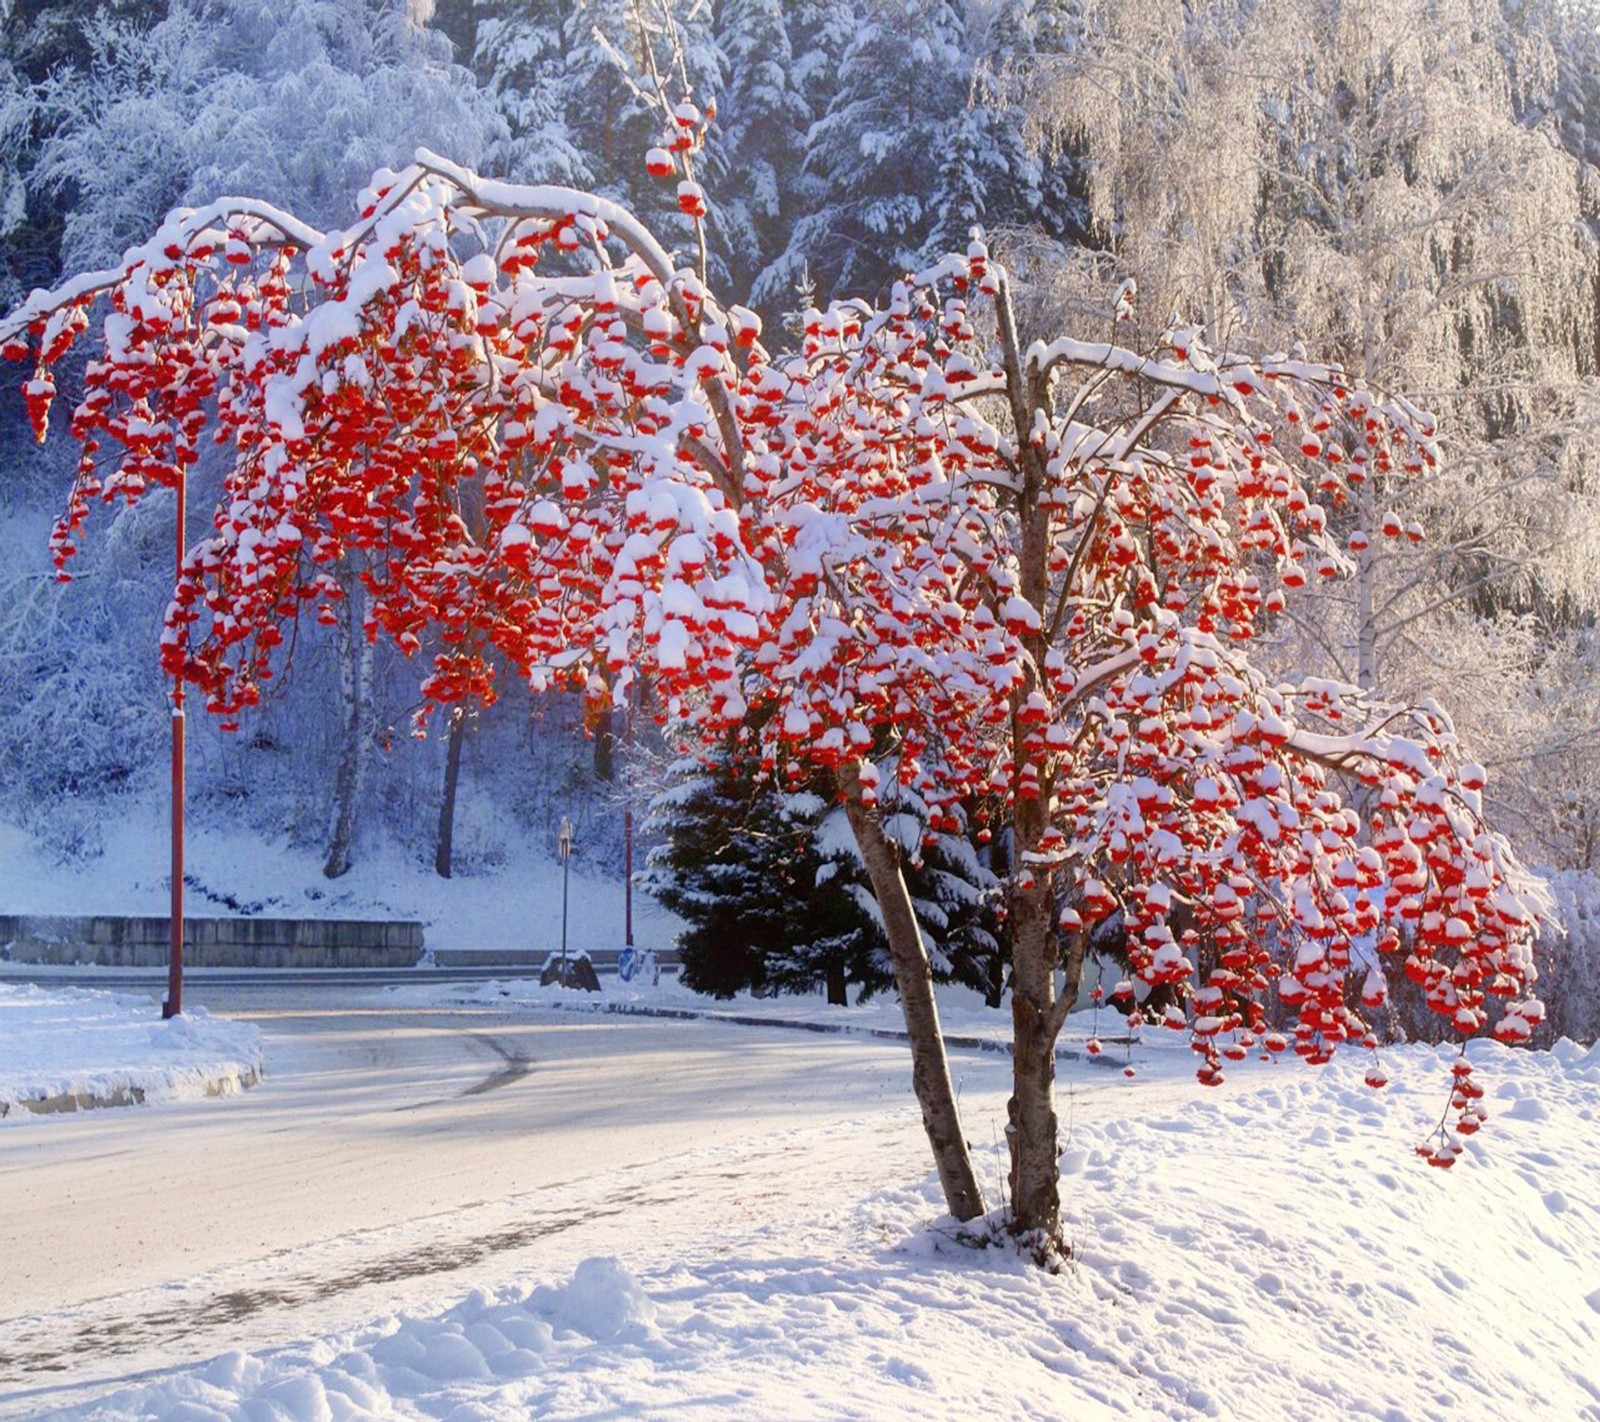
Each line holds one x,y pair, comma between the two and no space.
521,63
1560,78
764,118
740,865
819,31
21,241
457,21
957,898
991,173
878,147
774,892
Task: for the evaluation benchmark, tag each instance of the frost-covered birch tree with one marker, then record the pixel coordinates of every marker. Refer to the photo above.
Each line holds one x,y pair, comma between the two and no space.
1382,182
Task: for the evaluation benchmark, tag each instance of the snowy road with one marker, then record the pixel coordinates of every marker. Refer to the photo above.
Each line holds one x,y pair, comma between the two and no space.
388,1147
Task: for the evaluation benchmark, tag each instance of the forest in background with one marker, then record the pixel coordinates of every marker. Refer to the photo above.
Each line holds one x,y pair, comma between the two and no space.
1407,188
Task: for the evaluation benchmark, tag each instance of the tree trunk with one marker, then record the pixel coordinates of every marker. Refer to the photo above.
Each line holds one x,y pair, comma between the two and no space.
355,693
838,987
930,1072
605,745
444,848
1035,1018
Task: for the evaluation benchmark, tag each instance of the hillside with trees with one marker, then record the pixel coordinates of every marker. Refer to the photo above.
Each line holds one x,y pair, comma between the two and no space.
1406,190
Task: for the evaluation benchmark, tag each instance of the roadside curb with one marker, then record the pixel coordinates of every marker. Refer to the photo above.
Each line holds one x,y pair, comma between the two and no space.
66,1103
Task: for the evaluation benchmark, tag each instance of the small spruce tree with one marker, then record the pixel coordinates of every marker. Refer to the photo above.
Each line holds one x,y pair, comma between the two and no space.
776,898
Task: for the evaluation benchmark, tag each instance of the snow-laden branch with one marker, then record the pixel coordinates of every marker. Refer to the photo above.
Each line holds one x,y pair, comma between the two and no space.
492,197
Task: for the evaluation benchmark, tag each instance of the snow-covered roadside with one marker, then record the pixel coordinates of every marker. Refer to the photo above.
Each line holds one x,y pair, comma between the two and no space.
1266,1250
964,1019
70,1048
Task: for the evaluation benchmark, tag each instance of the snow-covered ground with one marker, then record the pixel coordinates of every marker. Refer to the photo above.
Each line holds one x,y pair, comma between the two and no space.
518,906
962,1014
1272,1248
97,1047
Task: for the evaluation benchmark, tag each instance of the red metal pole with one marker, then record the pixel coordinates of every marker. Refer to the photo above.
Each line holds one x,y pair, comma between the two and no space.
627,825
174,1003
627,870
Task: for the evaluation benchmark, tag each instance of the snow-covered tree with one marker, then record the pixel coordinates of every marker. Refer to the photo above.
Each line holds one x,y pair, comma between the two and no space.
521,61
990,174
1563,68
620,58
1364,177
84,703
764,118
1038,573
297,104
877,149
819,33
1574,958
458,21
17,271
46,46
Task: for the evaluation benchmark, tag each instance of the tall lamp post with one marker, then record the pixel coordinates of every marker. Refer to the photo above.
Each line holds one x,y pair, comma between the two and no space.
627,825
174,1003
564,852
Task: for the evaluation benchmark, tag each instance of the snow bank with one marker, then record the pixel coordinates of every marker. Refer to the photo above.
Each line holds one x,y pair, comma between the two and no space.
240,873
97,1048
1271,1250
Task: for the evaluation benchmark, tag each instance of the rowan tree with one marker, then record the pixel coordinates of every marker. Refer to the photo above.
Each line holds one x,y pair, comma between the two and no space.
1027,576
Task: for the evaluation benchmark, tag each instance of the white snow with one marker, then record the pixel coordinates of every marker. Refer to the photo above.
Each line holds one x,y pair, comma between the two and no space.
961,1011
61,1042
517,907
1268,1249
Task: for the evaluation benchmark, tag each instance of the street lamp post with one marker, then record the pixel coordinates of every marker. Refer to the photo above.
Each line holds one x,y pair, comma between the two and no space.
174,1003
564,851
627,825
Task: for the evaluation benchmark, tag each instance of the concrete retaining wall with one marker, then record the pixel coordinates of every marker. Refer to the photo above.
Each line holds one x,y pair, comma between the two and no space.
212,942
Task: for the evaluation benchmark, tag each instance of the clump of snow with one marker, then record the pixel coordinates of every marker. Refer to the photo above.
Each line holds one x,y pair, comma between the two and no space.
603,1301
101,1047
